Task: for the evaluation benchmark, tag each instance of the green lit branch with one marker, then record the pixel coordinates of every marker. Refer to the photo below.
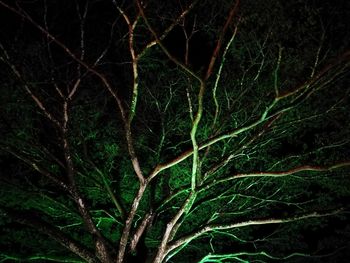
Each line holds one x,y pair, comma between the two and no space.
228,135
40,258
213,227
342,59
218,75
238,256
212,257
304,168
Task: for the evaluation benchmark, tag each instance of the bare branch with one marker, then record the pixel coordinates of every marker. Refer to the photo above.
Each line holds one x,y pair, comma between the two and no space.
304,168
169,28
219,43
34,165
213,227
141,230
345,57
37,101
165,50
128,223
54,233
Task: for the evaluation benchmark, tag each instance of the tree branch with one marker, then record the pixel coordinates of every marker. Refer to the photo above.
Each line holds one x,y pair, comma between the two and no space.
219,43
54,233
212,227
304,168
35,98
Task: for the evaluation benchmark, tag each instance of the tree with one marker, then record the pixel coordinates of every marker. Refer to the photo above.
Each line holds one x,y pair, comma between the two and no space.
174,131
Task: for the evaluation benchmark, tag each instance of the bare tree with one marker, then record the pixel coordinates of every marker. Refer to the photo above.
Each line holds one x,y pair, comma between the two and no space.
162,131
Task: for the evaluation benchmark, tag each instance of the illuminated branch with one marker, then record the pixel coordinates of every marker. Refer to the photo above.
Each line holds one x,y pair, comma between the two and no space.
171,226
6,257
100,76
217,49
276,72
82,19
164,49
100,243
134,60
345,57
189,201
234,133
218,76
227,159
188,37
219,257
305,168
140,230
213,227
319,149
109,191
264,117
125,234
169,28
128,223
